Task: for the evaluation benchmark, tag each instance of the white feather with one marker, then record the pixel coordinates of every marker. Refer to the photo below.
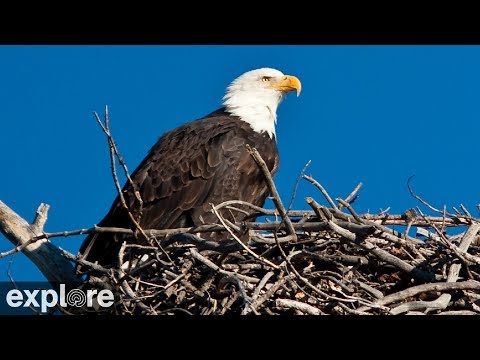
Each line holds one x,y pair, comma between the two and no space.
249,98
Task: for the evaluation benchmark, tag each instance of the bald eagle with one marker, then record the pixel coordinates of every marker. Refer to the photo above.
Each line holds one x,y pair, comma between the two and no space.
202,162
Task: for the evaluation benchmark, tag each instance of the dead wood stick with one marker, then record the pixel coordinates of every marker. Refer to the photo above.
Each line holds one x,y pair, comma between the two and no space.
458,312
376,293
261,285
448,243
443,300
437,304
234,279
322,190
351,210
336,259
268,294
198,293
424,288
464,209
224,246
454,270
297,305
426,203
272,190
77,260
305,226
352,195
215,267
46,256
388,233
352,311
380,253
113,151
250,251
132,296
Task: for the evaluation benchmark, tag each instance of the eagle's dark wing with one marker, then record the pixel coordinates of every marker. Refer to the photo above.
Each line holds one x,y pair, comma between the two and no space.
202,162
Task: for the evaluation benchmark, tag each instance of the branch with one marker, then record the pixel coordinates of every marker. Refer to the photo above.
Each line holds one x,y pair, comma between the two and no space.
195,254
443,212
353,195
322,189
424,288
380,253
113,151
251,252
297,305
273,225
273,190
47,257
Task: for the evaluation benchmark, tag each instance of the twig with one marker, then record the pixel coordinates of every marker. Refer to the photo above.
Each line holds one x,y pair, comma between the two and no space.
464,209
269,293
272,189
444,299
305,280
353,195
350,209
224,246
215,267
251,252
322,189
380,253
17,248
295,188
261,285
352,311
309,226
91,265
376,293
423,201
292,304
113,151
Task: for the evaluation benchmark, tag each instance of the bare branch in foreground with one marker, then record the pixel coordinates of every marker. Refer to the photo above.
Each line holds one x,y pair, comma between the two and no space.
42,253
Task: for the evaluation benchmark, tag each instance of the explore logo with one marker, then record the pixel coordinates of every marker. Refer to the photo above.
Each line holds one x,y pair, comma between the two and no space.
43,300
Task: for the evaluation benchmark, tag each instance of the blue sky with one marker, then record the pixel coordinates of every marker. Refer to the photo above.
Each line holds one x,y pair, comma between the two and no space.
376,114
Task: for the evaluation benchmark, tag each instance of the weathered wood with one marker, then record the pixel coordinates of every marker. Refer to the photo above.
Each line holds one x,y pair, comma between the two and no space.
46,256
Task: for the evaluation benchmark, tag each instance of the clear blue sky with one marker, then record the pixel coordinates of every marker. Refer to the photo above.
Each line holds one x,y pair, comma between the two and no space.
376,114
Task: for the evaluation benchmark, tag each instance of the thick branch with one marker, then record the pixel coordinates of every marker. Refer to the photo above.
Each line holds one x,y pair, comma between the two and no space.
423,288
46,256
297,305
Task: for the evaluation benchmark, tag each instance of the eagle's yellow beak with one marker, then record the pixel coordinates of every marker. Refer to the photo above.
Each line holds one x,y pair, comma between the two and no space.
287,83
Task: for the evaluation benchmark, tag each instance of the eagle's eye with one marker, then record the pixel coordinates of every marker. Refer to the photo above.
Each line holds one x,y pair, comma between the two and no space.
266,78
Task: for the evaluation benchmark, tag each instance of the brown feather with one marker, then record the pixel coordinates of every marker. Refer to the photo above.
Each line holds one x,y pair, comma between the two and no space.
201,162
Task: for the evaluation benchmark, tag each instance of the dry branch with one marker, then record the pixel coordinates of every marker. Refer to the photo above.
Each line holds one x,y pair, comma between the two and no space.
273,190
47,257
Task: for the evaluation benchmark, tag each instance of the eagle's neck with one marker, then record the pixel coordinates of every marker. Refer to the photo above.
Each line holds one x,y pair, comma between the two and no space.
258,110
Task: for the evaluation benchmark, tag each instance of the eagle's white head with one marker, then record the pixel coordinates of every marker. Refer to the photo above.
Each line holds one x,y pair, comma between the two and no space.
255,96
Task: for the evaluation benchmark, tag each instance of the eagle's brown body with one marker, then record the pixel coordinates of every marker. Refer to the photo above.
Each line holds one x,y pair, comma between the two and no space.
190,167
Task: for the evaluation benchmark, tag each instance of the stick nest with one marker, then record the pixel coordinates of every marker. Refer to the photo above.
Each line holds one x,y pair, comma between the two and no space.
320,261
335,262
